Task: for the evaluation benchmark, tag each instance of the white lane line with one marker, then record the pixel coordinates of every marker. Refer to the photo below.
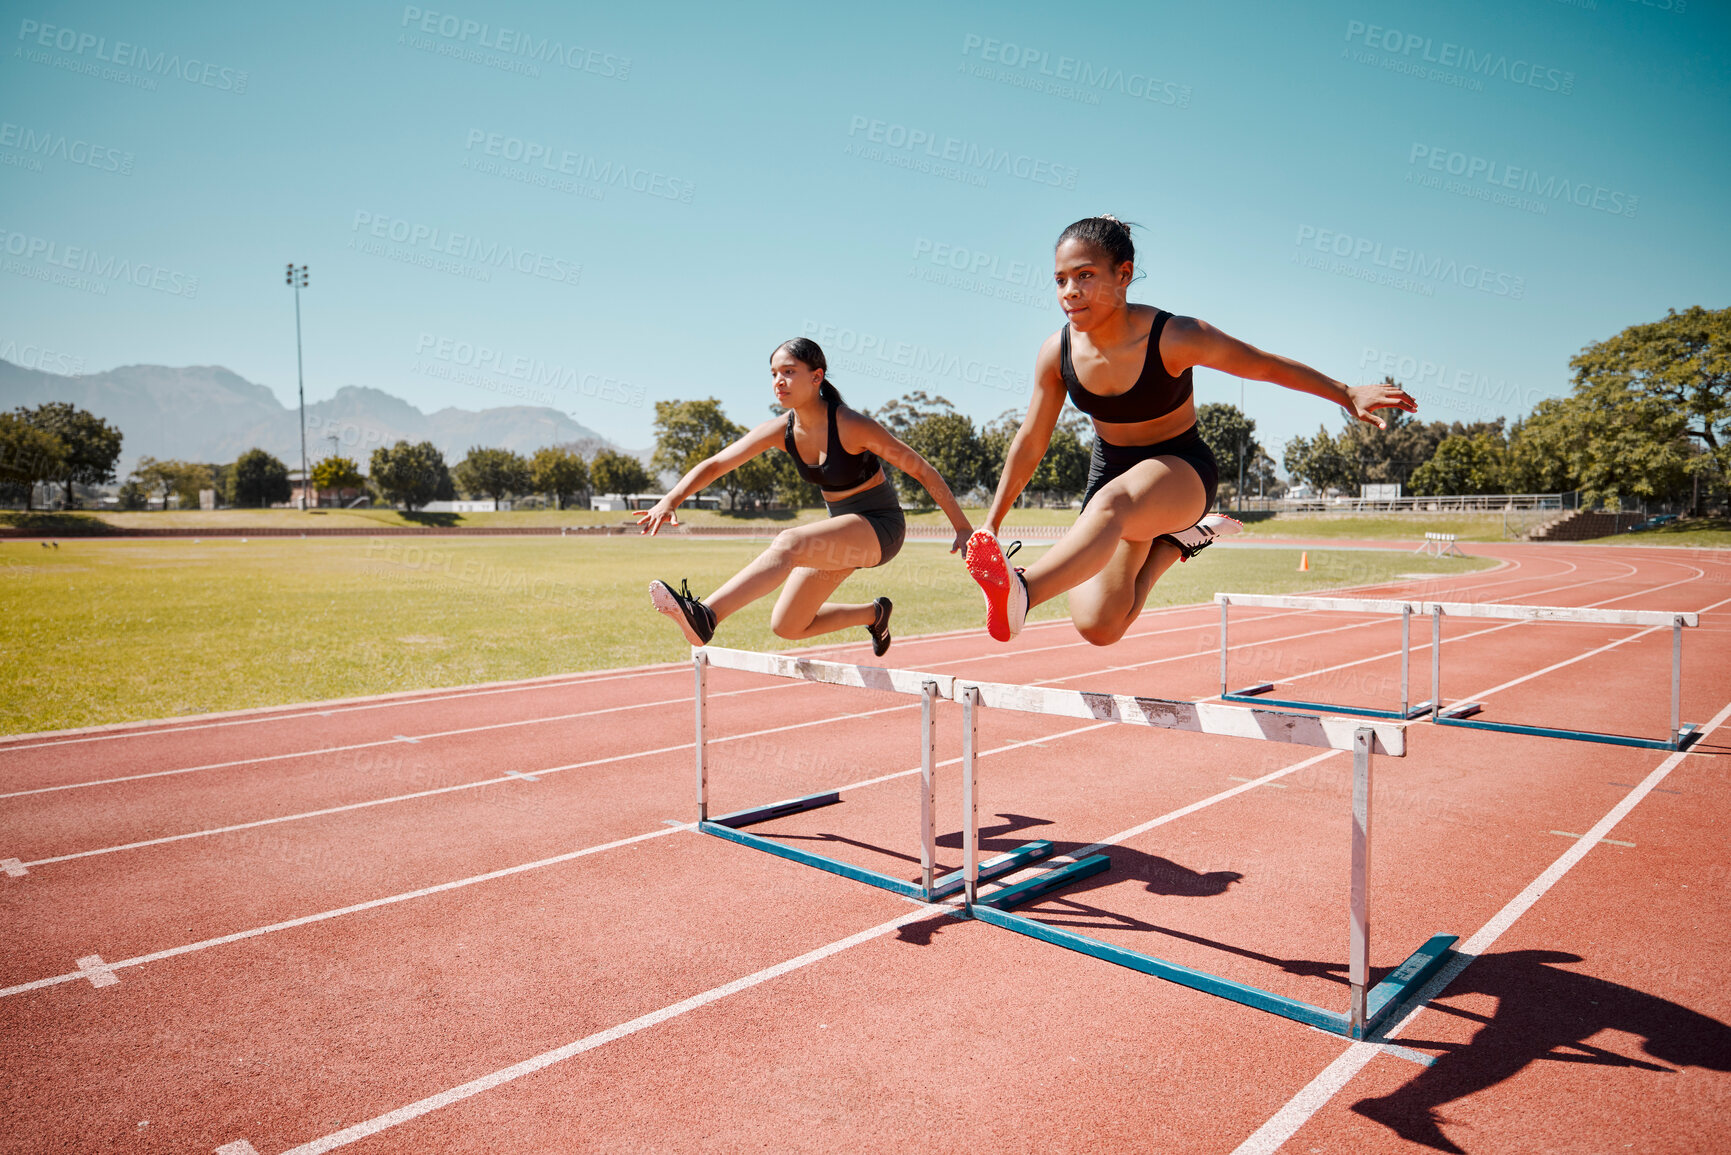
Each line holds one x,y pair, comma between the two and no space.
98,972
507,776
375,744
601,1038
262,714
1610,841
1333,1079
523,776
304,920
1112,840
1408,1054
864,782
13,868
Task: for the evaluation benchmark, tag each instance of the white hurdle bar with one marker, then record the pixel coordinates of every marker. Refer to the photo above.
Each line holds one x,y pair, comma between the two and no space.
1360,737
1457,714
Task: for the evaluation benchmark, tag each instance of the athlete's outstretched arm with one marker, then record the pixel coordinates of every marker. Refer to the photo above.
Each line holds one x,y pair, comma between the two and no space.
1189,341
859,432
712,469
1033,438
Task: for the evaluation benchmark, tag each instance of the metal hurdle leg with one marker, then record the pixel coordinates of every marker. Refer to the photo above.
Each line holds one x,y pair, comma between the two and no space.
700,666
1676,682
1358,965
1405,660
1435,662
1223,605
970,796
928,783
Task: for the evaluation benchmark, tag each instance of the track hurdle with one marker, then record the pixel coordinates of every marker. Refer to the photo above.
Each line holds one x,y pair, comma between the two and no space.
929,688
1258,692
1368,1005
1440,545
1461,713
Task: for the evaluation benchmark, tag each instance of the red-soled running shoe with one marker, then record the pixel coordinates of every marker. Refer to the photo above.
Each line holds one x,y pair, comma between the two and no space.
1198,537
1006,592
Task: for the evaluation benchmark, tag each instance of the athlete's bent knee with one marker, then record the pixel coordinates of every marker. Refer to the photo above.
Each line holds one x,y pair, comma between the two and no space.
1112,504
1099,633
788,546
786,628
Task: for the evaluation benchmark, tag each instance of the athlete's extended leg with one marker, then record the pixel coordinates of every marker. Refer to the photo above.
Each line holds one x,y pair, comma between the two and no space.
1161,495
842,543
804,611
1105,605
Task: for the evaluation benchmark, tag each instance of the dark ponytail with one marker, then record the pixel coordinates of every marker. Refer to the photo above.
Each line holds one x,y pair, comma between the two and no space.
1105,234
808,353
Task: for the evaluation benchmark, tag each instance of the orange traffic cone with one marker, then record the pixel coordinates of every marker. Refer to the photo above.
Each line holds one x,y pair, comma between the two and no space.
1304,562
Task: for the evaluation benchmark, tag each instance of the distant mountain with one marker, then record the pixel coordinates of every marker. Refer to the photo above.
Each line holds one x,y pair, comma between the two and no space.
207,413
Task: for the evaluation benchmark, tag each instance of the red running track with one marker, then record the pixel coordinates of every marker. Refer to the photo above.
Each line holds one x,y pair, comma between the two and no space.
475,920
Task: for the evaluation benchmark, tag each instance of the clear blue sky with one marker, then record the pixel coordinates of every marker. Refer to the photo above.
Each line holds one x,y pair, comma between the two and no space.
814,170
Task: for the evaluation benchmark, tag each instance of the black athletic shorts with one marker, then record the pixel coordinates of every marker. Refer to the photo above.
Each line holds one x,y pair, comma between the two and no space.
882,510
1109,461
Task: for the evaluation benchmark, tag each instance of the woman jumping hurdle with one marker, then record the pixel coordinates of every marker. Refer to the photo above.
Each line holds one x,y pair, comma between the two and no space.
1152,478
865,526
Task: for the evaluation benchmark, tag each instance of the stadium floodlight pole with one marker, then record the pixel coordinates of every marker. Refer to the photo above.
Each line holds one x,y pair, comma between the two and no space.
297,280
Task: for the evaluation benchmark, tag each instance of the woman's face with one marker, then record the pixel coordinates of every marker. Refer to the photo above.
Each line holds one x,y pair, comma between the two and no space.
1090,290
794,381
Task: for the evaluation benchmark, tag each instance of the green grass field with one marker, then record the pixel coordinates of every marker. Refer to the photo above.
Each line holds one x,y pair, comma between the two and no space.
1712,533
83,523
1380,527
111,631
1385,527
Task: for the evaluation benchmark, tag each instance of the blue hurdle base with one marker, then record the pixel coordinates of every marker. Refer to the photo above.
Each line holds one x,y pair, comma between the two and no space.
777,809
1030,889
1687,735
1380,1001
1255,695
728,826
1025,855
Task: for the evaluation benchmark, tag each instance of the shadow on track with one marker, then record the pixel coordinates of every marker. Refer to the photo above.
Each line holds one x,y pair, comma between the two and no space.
1543,1012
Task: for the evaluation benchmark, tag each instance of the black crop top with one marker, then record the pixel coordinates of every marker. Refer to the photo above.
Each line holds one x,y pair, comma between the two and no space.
840,469
1155,393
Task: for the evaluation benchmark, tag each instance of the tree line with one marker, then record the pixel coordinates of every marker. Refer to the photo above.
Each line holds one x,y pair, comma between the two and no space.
56,443
407,474
1648,415
60,444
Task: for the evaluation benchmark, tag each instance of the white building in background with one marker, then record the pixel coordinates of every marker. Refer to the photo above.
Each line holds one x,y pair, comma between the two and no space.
487,505
627,502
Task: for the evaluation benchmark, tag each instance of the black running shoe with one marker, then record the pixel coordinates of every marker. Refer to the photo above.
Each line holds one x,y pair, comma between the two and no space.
695,619
880,629
1198,537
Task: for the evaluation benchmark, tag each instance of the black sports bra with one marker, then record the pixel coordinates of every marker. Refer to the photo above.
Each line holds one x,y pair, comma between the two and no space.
1155,393
840,469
